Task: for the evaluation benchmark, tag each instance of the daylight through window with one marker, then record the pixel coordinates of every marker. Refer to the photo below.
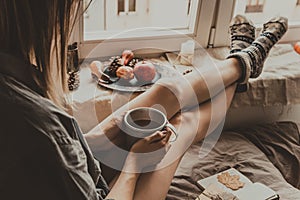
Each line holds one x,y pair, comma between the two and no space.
106,17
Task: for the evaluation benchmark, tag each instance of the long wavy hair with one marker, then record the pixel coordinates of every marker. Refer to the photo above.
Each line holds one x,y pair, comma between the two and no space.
37,31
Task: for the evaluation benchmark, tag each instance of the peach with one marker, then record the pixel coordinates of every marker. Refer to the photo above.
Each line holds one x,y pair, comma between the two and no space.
144,71
125,72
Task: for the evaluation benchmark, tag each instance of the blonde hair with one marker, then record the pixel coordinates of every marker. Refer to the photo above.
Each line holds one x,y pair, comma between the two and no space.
37,31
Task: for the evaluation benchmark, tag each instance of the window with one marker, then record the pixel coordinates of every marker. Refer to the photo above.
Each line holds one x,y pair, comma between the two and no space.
155,23
259,11
255,6
126,7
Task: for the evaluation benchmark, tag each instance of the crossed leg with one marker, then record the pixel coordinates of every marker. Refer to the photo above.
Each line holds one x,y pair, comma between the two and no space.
171,95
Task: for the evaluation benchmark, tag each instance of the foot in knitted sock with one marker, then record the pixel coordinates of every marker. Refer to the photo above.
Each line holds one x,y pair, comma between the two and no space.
253,57
242,34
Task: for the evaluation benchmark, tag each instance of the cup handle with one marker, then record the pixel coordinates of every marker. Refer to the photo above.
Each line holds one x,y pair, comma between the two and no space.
173,130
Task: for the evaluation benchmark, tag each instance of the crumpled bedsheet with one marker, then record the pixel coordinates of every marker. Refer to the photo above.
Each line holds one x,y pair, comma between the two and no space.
268,153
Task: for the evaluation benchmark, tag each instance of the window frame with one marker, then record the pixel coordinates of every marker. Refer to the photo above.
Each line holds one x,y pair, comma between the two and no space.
171,40
211,30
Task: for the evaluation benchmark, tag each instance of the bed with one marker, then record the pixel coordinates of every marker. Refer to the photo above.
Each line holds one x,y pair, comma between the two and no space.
267,153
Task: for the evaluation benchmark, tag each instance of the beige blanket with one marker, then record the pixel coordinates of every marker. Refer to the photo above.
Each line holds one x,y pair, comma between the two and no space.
268,153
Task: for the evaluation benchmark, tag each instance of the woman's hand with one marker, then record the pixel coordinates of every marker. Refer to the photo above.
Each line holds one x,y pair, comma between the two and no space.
148,152
112,130
106,135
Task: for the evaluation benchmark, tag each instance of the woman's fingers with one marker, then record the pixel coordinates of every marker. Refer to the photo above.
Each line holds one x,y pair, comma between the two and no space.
165,136
168,135
162,142
157,141
157,136
152,149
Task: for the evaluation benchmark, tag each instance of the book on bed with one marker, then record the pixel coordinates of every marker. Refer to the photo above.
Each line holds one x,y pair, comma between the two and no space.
233,185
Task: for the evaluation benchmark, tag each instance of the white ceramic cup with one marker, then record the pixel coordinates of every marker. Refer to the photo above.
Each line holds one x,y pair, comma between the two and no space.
144,121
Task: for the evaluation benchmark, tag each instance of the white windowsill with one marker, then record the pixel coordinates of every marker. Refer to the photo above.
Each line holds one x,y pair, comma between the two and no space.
134,34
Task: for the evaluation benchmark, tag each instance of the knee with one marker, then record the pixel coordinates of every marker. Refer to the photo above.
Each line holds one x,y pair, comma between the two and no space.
173,86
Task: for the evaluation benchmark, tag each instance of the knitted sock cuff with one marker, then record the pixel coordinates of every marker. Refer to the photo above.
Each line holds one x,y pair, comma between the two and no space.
245,65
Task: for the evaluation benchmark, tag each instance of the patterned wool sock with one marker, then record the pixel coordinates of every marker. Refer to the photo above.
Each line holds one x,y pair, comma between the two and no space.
242,34
253,57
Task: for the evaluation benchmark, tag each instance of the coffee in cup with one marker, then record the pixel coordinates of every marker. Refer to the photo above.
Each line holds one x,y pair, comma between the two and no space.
144,121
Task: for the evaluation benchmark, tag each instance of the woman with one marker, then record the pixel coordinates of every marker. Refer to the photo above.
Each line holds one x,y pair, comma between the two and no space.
44,155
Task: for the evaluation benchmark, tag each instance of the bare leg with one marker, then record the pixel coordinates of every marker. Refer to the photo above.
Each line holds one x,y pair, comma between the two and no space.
155,185
171,95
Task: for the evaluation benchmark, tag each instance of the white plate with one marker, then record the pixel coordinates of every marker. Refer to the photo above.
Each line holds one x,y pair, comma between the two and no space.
135,86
